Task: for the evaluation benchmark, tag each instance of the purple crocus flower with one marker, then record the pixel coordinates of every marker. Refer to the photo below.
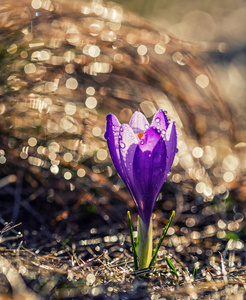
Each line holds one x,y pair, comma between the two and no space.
143,155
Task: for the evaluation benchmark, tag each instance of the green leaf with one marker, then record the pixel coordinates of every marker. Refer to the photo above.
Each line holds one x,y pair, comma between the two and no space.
137,242
161,240
171,266
194,273
132,241
185,270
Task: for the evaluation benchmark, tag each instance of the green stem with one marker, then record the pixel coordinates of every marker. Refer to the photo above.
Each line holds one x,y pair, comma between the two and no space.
145,243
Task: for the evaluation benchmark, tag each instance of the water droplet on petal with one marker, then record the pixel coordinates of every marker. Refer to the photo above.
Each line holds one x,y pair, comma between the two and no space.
121,128
157,171
122,145
176,150
157,158
157,120
142,142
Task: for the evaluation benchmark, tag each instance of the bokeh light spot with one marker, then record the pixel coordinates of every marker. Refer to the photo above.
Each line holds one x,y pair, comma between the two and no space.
202,81
94,51
90,91
102,154
142,50
96,131
36,4
81,172
228,176
12,49
197,152
72,84
67,175
32,142
160,48
70,108
91,102
30,68
68,157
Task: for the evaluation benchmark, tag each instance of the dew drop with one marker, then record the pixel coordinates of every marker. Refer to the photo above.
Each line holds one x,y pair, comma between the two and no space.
157,171
157,120
121,128
142,142
157,158
122,145
176,150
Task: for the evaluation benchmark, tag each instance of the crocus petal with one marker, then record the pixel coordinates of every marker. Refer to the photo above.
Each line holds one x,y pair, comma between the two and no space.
149,165
112,137
160,120
171,145
138,122
128,143
127,147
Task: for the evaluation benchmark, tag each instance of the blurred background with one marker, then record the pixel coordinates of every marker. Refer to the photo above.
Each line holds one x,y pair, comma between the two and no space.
219,27
64,65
